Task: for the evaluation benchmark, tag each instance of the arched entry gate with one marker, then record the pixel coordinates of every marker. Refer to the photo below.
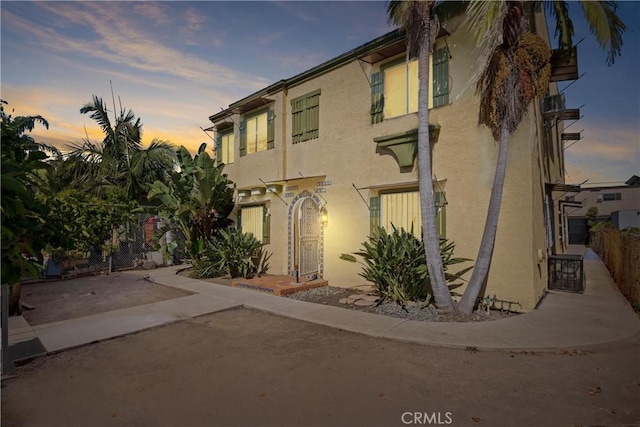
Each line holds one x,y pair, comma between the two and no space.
305,236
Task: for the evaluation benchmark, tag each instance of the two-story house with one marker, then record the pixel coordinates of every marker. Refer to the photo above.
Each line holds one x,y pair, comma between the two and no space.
321,157
618,204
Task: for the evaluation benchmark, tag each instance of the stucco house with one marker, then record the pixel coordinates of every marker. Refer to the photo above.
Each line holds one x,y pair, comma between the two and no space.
319,158
618,204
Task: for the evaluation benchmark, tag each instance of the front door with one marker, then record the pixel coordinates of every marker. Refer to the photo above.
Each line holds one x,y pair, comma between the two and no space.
308,237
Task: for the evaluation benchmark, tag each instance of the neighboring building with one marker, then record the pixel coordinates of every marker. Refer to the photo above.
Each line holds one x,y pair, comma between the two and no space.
618,204
319,158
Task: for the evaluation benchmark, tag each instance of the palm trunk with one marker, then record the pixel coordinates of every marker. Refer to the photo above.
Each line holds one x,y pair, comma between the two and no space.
483,262
441,293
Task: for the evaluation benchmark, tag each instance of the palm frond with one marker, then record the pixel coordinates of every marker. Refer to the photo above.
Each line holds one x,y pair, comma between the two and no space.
564,26
605,25
27,123
412,17
99,113
446,10
484,18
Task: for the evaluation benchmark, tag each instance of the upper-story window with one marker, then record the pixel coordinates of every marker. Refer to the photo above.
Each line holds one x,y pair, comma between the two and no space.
256,132
400,89
225,146
394,89
305,117
608,197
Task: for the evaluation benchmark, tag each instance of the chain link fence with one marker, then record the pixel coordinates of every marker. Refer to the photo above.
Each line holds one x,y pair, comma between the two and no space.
131,246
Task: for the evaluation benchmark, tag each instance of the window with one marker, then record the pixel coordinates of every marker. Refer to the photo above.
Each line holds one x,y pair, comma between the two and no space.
257,133
394,89
305,117
400,89
608,197
402,210
255,220
224,147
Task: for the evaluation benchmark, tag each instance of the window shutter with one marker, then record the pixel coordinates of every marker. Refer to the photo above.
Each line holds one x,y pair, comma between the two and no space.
377,97
441,215
297,107
374,213
239,219
266,222
243,138
440,77
270,130
219,148
313,116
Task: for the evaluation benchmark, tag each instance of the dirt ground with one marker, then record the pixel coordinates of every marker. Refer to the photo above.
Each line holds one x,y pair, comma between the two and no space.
83,296
249,368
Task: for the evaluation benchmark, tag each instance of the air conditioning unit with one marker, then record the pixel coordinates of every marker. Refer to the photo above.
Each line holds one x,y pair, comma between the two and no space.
553,105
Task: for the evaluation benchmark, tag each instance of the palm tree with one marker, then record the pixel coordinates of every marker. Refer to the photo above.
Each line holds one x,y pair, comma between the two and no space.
26,221
516,71
421,25
119,162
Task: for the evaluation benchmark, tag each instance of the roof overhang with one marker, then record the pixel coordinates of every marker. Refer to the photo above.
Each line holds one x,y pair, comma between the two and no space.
298,178
405,184
393,48
564,188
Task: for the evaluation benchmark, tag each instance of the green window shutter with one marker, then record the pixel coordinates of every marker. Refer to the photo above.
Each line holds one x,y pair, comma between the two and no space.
219,148
297,109
441,215
374,213
271,130
305,117
377,97
243,138
312,117
239,219
266,222
440,77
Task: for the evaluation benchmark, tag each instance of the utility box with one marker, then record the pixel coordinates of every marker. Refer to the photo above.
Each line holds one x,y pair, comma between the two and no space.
566,273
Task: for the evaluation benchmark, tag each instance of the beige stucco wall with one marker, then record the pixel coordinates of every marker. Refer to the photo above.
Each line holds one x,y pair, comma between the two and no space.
464,158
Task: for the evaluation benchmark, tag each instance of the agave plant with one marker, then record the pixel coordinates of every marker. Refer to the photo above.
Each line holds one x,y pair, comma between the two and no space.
396,264
233,254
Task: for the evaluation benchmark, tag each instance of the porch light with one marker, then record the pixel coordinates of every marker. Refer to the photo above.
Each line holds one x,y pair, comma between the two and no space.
324,216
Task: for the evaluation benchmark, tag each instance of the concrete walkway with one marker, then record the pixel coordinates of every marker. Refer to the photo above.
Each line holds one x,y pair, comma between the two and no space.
563,320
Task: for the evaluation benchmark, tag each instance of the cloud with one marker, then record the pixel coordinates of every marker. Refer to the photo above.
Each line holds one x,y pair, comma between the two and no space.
124,43
267,39
606,154
299,11
155,12
194,19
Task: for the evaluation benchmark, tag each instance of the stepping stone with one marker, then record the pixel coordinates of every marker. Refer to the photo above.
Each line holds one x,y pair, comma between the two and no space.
372,298
344,301
363,303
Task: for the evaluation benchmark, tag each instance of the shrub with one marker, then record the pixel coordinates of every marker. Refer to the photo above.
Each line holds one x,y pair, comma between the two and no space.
232,254
396,264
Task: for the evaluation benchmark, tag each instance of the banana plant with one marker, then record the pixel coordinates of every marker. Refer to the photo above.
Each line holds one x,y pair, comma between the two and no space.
197,200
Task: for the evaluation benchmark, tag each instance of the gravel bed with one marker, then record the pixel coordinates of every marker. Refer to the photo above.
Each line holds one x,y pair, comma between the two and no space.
329,295
324,291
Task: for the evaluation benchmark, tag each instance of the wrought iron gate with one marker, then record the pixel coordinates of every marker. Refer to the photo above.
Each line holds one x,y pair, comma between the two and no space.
309,237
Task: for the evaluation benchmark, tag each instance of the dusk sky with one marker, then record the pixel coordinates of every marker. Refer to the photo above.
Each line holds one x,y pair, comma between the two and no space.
176,63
